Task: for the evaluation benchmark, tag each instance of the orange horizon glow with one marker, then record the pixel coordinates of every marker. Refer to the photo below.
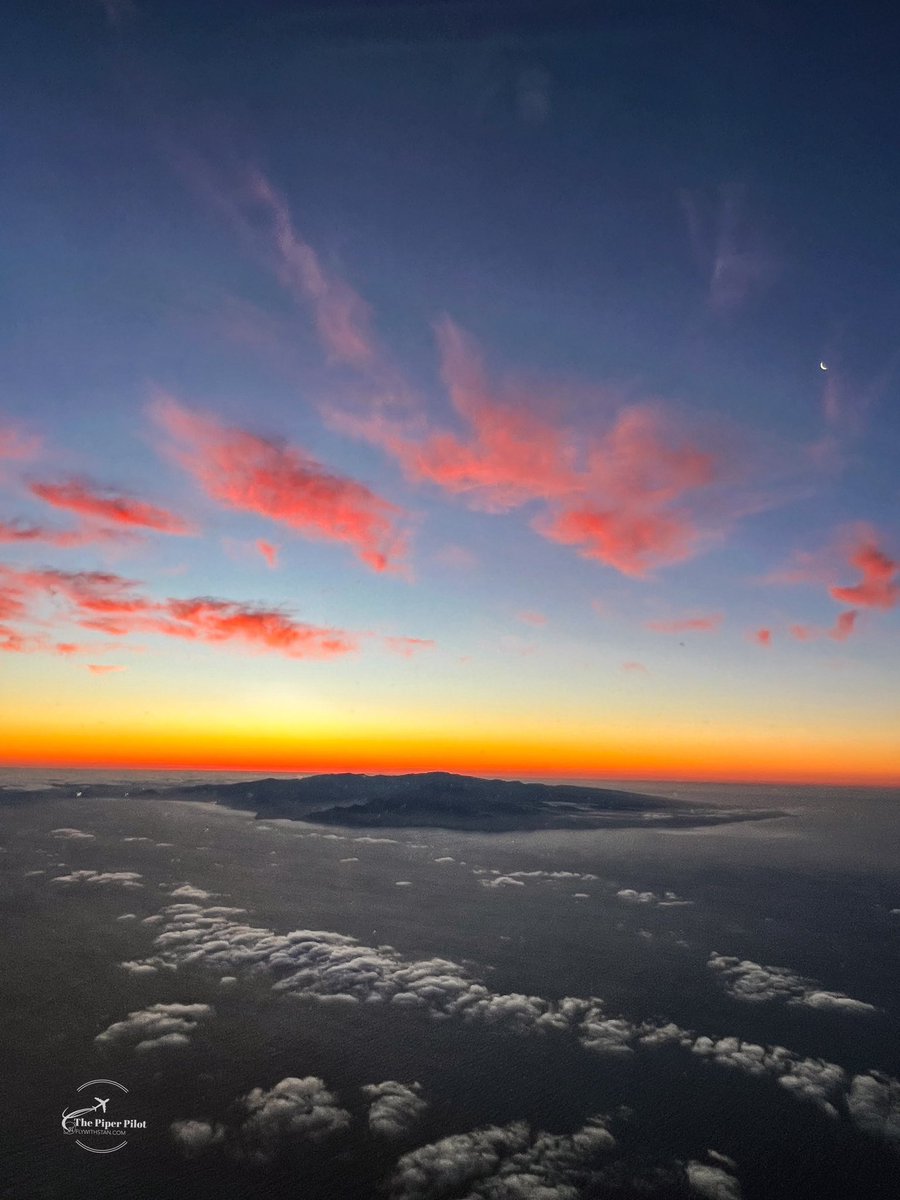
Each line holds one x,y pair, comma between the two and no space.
682,762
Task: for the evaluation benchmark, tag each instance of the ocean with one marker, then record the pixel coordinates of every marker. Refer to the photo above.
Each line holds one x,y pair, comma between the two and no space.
723,1003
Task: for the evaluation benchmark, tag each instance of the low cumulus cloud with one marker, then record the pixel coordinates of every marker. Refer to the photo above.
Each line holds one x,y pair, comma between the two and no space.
325,965
756,984
265,1121
126,879
665,900
187,891
159,1026
503,1162
874,1105
395,1109
711,1182
71,835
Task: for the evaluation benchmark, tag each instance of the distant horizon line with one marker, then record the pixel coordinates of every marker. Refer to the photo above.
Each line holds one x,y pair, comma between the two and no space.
572,778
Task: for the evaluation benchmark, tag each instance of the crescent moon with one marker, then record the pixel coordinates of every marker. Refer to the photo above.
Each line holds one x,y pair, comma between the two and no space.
823,366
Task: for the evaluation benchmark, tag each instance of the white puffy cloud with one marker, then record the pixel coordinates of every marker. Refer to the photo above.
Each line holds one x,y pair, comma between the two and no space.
158,1026
71,835
293,1108
630,896
138,968
265,1120
193,1137
712,1183
187,891
395,1109
666,900
127,879
506,1162
749,981
335,968
874,1106
500,881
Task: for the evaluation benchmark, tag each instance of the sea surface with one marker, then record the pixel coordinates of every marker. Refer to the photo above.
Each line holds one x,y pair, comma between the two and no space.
733,1011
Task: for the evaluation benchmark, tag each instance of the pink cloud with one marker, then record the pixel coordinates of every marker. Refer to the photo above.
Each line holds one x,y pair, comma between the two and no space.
103,668
254,474
102,504
635,668
110,604
408,646
842,629
856,546
844,626
262,219
879,586
762,637
528,617
622,497
18,446
268,551
12,532
342,317
687,624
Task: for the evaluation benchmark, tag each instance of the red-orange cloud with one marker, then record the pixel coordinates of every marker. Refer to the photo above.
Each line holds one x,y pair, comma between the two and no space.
842,629
12,532
103,504
879,587
103,668
763,637
268,551
110,604
621,497
687,624
252,473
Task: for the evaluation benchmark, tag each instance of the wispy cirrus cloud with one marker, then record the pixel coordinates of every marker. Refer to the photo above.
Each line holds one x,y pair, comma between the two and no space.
245,471
110,604
21,532
730,246
261,217
16,445
108,505
706,624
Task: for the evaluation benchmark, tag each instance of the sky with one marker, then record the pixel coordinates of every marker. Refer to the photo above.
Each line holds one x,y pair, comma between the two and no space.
495,388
